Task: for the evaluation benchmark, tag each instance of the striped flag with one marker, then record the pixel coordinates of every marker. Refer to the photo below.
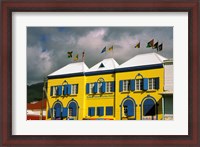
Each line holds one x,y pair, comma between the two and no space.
155,46
150,43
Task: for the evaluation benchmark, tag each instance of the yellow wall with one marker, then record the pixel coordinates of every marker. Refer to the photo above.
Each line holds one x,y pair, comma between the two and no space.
65,99
139,95
99,100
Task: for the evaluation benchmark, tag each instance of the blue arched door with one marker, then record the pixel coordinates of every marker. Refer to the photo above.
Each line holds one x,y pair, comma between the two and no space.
57,111
128,109
73,110
149,110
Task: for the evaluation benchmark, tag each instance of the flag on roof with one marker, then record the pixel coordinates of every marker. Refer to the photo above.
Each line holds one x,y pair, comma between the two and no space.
137,45
70,54
160,47
76,58
110,49
155,46
104,50
150,43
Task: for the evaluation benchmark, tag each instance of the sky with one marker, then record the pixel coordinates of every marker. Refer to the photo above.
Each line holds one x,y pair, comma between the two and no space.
47,47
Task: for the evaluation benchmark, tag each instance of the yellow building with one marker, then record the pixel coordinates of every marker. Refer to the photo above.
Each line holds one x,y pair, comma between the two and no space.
108,91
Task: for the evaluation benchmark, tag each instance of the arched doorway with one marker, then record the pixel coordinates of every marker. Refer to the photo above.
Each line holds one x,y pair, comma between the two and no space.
73,111
128,110
57,111
149,109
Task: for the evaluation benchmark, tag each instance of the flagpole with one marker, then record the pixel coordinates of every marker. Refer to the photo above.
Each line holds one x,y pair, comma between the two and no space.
113,52
76,55
105,55
158,45
83,56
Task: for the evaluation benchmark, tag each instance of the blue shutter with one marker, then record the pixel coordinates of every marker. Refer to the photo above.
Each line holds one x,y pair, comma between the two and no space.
103,87
109,110
157,83
51,92
65,112
112,86
130,107
132,85
130,111
145,84
59,90
58,111
69,89
73,106
65,90
73,111
121,85
95,87
49,112
91,111
100,111
87,88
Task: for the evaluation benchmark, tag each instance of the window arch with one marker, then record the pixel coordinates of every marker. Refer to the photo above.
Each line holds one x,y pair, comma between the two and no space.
129,108
149,109
57,110
72,109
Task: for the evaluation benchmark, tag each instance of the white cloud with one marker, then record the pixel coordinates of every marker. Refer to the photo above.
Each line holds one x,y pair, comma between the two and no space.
39,63
93,39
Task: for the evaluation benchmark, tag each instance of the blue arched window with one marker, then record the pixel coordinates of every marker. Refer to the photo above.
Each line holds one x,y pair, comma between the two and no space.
129,108
72,109
57,110
149,107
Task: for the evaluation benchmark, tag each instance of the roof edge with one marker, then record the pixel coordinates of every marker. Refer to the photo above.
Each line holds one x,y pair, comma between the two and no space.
125,69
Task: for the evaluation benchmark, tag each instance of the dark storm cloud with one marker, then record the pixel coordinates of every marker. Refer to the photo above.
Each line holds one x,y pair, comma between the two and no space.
47,46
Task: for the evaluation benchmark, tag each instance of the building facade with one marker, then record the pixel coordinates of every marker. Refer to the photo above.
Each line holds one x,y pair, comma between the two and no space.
133,90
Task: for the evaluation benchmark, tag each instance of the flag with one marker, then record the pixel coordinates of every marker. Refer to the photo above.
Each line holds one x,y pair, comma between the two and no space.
150,43
104,49
155,46
70,54
137,45
76,58
160,47
110,49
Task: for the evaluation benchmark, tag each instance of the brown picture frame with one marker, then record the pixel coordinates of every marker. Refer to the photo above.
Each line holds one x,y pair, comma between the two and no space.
10,6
